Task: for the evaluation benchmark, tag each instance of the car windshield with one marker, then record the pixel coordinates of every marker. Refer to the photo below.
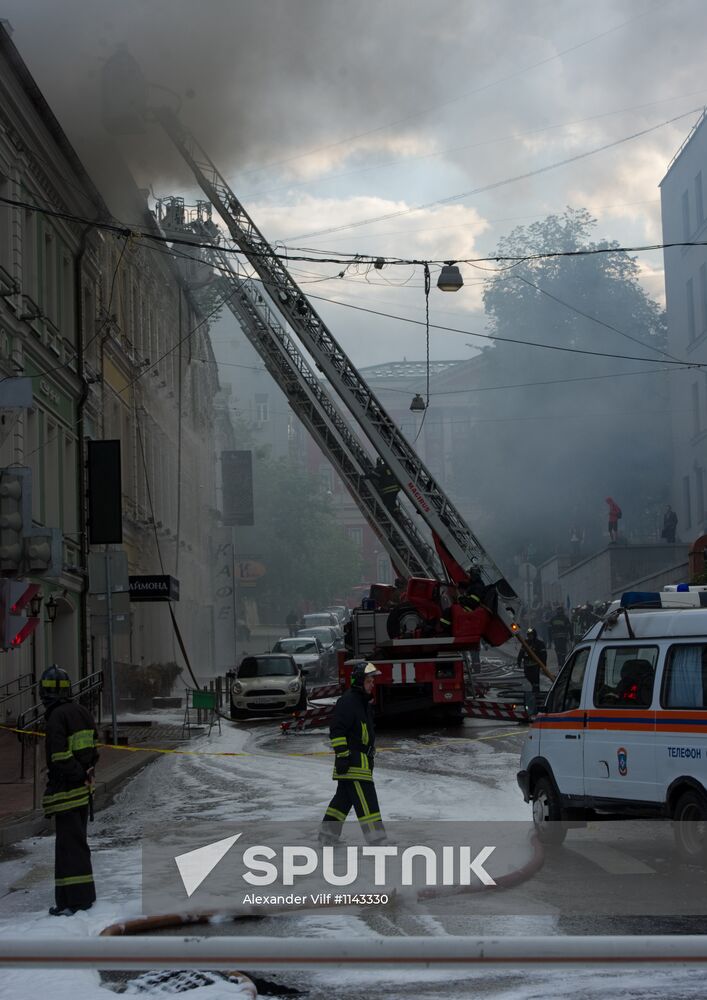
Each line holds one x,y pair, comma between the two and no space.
266,666
323,619
293,646
324,633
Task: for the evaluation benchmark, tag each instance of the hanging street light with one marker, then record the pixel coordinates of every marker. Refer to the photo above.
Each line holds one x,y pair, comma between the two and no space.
51,607
418,404
450,278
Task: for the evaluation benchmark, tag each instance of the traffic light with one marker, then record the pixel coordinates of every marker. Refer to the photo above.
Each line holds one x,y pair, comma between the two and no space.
43,552
15,517
16,627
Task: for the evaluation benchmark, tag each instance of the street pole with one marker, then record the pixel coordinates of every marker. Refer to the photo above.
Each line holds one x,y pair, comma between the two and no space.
35,741
111,668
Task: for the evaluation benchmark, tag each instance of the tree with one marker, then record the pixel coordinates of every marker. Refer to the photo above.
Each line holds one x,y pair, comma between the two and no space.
309,557
547,454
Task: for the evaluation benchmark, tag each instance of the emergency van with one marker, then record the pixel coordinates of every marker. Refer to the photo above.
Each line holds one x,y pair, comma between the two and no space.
623,730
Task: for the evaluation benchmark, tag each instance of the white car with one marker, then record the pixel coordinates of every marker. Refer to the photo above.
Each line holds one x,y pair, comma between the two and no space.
329,640
267,683
341,612
306,651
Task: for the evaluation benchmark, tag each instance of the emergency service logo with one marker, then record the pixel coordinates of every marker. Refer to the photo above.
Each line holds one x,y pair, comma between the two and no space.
622,756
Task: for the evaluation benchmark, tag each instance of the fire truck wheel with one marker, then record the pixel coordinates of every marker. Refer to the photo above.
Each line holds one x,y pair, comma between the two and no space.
547,813
403,619
690,826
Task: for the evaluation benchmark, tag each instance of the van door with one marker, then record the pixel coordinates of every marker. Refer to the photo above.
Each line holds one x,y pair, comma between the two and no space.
619,748
561,725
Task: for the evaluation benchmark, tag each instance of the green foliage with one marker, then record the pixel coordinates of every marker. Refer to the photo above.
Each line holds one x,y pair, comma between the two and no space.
308,555
543,457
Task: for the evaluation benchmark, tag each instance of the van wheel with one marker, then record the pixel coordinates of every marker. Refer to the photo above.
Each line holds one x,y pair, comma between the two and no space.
690,826
547,813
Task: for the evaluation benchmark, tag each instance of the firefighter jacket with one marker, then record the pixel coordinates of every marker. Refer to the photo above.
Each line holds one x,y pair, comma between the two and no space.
531,670
560,628
352,735
71,750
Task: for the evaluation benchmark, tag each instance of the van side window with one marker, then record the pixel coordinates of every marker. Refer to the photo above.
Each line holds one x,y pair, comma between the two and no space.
685,677
625,677
566,693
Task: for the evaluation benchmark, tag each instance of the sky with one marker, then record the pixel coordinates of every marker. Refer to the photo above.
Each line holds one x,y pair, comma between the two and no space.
324,115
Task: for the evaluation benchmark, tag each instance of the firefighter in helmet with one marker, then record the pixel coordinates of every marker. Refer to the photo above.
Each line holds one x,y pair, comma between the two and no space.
71,757
352,736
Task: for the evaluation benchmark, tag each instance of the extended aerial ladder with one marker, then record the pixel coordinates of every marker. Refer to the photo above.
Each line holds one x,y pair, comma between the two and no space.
305,392
415,480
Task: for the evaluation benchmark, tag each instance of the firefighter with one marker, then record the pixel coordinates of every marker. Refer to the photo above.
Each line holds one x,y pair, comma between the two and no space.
387,484
71,757
531,669
352,736
560,633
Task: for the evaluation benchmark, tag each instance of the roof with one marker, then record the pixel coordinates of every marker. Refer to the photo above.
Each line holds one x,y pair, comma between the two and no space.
407,369
685,143
664,623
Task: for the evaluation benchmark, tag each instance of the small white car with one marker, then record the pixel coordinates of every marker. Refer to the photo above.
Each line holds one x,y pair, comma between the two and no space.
322,618
267,683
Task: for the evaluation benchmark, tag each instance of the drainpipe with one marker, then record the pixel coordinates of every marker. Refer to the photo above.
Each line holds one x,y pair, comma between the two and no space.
81,463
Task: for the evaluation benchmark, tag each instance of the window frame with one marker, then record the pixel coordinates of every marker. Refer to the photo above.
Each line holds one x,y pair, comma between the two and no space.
622,705
564,676
667,662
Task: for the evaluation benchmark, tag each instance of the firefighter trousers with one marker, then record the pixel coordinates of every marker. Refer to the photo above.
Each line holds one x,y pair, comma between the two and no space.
73,875
362,797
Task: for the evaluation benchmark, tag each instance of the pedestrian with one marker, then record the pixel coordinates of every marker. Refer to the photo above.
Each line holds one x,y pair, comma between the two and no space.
532,647
292,621
560,633
353,739
71,758
614,515
576,539
670,523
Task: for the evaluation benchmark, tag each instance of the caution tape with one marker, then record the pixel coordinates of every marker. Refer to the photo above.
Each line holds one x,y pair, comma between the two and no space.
245,753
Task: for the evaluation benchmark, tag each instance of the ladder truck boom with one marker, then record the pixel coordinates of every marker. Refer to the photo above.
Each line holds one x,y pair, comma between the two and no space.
415,480
306,394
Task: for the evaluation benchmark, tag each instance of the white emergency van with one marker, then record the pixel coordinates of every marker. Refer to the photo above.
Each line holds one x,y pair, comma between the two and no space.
623,730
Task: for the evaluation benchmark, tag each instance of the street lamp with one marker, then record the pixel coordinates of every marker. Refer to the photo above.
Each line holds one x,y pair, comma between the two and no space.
35,605
450,278
51,607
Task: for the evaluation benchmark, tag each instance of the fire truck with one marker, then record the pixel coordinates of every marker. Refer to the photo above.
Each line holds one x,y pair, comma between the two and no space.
454,594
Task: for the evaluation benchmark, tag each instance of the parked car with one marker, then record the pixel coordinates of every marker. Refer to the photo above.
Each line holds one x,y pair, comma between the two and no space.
329,640
341,612
306,651
322,618
267,683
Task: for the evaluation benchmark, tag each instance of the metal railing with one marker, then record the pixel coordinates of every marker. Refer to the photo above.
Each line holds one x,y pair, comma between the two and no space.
24,682
143,952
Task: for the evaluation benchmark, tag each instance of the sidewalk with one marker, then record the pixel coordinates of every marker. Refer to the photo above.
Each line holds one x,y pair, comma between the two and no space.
19,819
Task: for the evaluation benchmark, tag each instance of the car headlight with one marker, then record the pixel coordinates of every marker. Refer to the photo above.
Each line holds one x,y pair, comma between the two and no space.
294,686
237,687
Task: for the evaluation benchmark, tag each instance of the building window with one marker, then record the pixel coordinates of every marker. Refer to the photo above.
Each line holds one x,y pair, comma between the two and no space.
384,571
696,422
69,473
686,501
685,216
690,303
699,205
356,536
703,296
29,255
49,277
699,494
262,412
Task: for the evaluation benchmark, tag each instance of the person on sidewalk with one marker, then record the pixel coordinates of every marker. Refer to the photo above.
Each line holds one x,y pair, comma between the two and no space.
71,758
670,523
560,633
292,621
614,515
352,736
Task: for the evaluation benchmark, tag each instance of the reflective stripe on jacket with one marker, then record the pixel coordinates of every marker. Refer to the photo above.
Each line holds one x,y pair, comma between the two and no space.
71,751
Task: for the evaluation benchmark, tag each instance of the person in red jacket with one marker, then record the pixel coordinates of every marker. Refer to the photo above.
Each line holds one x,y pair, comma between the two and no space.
614,515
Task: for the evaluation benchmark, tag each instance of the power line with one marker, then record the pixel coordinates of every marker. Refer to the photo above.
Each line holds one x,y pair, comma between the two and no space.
508,340
497,184
454,100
